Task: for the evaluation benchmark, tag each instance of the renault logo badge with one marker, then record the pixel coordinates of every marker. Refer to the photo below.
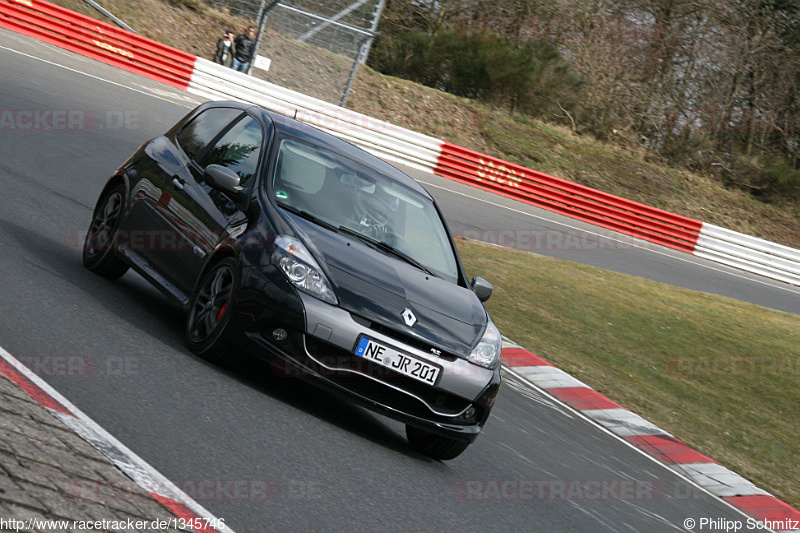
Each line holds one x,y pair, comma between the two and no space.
408,317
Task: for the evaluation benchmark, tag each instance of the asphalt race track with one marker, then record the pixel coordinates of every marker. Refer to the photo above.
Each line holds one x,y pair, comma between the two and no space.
282,454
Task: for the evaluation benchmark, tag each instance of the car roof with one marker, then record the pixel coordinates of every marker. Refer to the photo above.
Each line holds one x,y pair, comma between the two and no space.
295,128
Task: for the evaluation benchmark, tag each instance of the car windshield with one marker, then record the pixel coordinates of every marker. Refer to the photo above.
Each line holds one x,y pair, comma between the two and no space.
348,197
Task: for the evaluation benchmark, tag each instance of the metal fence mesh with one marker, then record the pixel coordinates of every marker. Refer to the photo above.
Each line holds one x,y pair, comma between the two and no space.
239,8
314,47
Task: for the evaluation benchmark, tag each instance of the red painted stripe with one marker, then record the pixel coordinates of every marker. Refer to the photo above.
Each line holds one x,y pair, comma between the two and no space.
33,390
521,357
504,171
98,40
569,211
669,450
568,198
537,189
765,507
93,53
181,511
583,398
97,26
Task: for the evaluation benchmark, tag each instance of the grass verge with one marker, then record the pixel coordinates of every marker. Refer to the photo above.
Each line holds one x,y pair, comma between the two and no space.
720,374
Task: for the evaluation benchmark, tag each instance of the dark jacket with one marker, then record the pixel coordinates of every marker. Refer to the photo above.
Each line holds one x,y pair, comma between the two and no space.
221,57
244,48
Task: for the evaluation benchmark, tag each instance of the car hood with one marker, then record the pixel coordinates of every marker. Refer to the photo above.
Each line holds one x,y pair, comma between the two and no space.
380,287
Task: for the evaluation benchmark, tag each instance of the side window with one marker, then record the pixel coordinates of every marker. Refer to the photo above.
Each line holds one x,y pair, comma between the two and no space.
203,128
238,149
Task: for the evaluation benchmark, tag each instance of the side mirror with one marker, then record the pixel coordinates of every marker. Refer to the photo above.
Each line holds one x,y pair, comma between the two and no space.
482,288
224,179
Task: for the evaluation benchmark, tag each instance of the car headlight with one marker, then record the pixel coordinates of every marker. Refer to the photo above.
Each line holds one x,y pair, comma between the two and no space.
487,352
297,263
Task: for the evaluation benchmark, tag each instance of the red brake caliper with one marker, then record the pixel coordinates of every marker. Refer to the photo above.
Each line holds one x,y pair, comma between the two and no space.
221,311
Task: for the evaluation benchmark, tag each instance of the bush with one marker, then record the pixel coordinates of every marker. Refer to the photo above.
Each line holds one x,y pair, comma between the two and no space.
530,76
779,179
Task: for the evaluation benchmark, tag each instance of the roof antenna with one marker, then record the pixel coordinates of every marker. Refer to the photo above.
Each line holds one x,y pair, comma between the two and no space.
295,114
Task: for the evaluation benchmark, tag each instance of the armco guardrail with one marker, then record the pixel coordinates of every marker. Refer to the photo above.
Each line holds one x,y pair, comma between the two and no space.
433,155
132,52
568,198
749,253
98,40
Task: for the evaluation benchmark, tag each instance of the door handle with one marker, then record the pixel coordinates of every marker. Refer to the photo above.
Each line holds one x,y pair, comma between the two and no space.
178,183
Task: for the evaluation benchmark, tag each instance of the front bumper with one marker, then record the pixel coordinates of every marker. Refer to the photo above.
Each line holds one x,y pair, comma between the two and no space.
321,350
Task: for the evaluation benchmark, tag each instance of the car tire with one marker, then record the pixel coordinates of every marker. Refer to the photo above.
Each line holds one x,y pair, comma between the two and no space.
99,254
210,309
434,446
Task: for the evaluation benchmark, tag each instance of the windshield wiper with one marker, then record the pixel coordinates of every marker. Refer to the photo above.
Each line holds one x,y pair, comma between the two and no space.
309,216
385,247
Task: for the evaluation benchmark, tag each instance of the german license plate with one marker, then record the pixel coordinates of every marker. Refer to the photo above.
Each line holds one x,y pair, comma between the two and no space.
397,361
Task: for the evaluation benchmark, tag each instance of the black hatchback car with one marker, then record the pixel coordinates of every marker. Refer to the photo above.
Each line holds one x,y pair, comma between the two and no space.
284,242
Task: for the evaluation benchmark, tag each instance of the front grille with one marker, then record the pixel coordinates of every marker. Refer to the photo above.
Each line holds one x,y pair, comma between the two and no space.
404,338
380,383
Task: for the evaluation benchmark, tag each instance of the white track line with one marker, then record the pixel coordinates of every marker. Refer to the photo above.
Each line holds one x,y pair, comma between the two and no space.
627,443
173,100
644,246
131,464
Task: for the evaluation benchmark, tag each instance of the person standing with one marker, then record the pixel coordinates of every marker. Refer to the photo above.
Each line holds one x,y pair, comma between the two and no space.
245,46
226,49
